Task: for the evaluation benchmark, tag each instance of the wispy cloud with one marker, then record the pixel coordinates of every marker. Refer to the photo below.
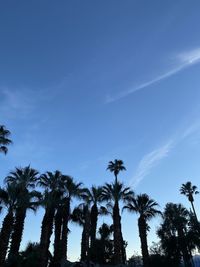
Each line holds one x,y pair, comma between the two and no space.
16,103
182,61
149,161
153,158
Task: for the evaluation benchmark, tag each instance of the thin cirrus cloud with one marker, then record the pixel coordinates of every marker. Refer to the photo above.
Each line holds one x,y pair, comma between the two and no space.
149,161
153,158
182,61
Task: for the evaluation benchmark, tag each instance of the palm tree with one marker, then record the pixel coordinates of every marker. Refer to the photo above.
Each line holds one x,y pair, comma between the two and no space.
24,180
71,190
146,208
116,166
8,198
52,183
4,139
93,198
114,193
189,190
105,232
176,218
81,216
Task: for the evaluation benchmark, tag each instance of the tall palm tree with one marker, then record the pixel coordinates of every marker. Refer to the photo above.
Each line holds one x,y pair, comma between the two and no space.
116,166
114,193
4,139
71,190
24,179
52,183
8,198
146,208
189,191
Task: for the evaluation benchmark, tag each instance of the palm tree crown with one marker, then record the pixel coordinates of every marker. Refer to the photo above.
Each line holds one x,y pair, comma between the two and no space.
116,192
144,205
116,166
189,190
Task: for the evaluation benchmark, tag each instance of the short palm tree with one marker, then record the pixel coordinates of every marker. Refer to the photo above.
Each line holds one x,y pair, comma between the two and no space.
81,216
116,166
52,183
146,208
176,217
8,198
24,179
114,193
189,191
4,139
94,198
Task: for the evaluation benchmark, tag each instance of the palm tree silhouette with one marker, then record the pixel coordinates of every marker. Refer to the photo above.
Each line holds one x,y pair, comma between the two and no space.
146,208
8,198
81,216
53,185
24,179
116,166
176,217
4,139
189,190
94,198
114,193
71,190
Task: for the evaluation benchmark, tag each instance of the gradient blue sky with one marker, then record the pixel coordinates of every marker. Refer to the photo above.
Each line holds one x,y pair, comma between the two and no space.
85,82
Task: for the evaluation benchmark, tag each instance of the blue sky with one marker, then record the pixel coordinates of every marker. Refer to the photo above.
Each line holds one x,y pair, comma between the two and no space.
85,82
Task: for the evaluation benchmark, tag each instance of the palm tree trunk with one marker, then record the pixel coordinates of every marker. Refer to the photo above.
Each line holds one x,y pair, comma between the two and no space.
94,218
46,232
118,254
57,239
192,203
83,245
65,220
85,255
17,232
5,235
143,238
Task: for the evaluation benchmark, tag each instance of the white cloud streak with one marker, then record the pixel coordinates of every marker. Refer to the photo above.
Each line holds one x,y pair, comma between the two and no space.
183,60
153,158
149,161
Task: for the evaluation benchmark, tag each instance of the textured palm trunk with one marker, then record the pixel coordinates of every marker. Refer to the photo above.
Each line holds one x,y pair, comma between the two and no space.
17,232
184,248
5,235
46,232
57,238
192,203
94,218
143,238
123,250
118,239
83,245
85,255
64,237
